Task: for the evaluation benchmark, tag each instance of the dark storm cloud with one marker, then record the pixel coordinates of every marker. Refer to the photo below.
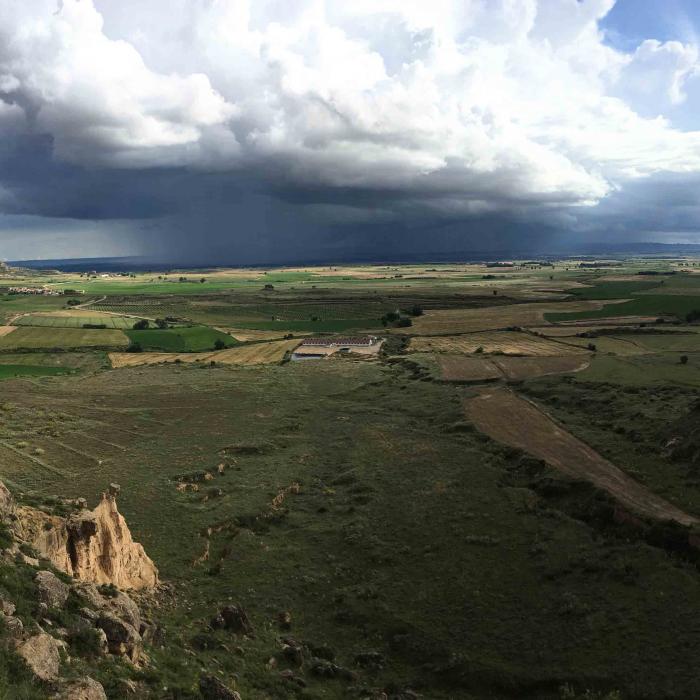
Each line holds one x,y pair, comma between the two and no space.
259,129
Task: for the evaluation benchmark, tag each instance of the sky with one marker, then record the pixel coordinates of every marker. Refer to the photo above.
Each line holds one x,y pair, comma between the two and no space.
256,131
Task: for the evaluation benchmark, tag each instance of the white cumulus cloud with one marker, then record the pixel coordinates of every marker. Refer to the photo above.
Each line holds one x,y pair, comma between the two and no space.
459,106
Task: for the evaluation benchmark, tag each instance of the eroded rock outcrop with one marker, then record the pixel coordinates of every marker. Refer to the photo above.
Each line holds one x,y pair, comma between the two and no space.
90,545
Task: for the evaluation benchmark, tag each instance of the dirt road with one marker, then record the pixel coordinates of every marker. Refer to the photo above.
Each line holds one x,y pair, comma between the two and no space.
512,420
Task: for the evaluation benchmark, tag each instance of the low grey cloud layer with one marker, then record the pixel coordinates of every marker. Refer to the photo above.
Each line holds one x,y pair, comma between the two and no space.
243,128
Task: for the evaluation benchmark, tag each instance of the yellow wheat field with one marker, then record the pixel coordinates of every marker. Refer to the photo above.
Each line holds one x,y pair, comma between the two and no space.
257,354
507,342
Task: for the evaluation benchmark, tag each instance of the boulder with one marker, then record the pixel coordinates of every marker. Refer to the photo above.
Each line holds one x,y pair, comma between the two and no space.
102,642
82,689
40,653
7,607
122,638
116,602
233,618
14,627
211,688
51,589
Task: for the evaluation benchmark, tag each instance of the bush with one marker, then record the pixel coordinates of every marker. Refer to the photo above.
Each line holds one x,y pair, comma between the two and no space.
84,640
141,325
135,347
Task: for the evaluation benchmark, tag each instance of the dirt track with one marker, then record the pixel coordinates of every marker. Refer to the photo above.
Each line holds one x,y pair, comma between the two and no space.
514,421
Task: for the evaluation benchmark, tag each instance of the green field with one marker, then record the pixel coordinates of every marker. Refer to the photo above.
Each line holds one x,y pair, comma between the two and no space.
113,322
11,371
185,339
29,337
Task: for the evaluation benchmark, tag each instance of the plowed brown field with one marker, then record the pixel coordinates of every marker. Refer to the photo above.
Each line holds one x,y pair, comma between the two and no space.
446,321
512,420
508,342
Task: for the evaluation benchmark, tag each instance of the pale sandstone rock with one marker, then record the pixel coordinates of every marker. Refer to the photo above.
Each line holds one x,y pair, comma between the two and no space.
82,689
40,653
51,590
94,546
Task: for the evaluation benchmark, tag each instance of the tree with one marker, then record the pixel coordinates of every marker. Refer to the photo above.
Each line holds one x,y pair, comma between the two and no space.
592,347
416,310
203,280
141,325
219,344
161,323
404,322
684,359
269,286
135,347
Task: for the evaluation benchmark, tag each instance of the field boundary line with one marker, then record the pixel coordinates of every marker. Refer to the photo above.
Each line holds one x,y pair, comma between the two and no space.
92,437
43,465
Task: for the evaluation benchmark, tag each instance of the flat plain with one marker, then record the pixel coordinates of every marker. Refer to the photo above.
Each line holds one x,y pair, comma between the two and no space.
507,539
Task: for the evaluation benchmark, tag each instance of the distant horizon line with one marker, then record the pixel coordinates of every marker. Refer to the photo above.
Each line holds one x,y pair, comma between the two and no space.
617,249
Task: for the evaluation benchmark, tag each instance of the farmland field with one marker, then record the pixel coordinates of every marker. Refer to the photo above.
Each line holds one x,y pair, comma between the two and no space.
498,317
185,339
519,423
74,319
7,371
507,342
253,354
435,522
475,368
29,337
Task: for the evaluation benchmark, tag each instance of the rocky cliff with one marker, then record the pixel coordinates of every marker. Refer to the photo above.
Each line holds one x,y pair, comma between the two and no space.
90,545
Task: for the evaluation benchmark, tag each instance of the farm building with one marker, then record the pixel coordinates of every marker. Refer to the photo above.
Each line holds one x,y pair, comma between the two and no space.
319,348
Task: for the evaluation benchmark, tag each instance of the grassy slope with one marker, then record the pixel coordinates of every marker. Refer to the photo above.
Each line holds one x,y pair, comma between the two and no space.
406,538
